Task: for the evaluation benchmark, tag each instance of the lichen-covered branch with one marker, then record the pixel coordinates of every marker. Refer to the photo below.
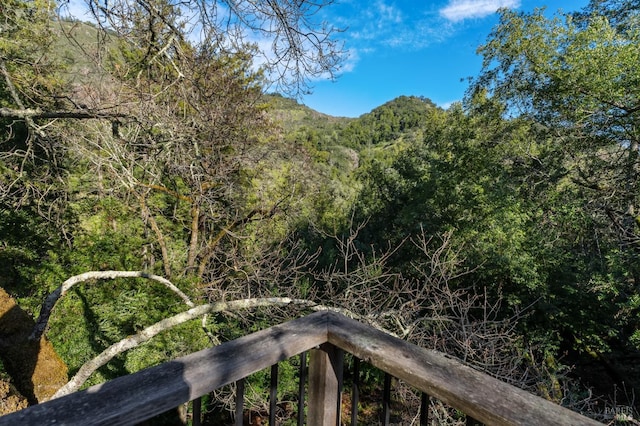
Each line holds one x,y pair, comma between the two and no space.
35,113
133,341
51,300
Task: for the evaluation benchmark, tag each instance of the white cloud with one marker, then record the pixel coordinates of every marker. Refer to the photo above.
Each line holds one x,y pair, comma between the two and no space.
449,104
350,63
458,10
383,25
388,13
375,22
76,9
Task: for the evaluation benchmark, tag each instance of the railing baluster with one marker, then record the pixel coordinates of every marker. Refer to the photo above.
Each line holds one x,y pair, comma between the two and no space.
196,411
176,382
386,400
470,421
301,383
273,395
424,409
240,402
340,386
355,391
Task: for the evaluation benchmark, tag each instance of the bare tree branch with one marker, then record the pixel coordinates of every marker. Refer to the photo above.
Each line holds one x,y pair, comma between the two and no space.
16,97
52,299
303,46
132,341
80,114
145,335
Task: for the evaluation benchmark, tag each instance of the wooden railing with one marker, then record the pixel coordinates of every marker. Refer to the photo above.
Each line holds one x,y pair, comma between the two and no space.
143,395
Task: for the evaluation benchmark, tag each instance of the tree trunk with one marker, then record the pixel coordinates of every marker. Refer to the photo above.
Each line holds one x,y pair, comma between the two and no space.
159,237
35,367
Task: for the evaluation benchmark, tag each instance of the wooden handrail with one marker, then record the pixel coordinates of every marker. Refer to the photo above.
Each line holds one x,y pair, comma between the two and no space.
136,397
477,394
142,395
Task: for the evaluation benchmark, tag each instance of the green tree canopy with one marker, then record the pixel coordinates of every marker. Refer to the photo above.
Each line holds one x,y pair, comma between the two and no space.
388,121
583,85
575,77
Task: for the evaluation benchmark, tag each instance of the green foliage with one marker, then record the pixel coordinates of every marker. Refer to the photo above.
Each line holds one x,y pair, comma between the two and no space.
456,180
619,13
387,122
25,244
292,116
534,179
576,78
97,314
26,38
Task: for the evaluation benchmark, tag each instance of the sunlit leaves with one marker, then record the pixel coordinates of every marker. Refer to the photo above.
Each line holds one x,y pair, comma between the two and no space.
576,77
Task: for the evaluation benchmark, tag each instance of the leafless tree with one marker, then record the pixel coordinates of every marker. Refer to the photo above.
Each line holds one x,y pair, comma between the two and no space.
298,44
425,307
156,72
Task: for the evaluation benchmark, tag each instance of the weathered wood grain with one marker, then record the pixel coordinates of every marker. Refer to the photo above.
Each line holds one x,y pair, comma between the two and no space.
325,382
483,397
139,396
136,397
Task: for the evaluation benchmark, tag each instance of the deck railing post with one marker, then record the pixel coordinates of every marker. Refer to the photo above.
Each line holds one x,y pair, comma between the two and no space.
424,409
325,383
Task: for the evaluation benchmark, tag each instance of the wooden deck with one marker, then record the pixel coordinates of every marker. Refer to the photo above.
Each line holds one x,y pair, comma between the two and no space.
140,396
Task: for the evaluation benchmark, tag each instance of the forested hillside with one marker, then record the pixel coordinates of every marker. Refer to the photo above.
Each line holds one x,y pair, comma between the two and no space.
147,177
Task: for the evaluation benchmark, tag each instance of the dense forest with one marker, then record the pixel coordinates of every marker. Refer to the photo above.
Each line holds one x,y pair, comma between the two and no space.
161,193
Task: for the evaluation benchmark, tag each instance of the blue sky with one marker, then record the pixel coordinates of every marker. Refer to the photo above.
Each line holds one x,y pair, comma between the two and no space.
401,47
404,47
